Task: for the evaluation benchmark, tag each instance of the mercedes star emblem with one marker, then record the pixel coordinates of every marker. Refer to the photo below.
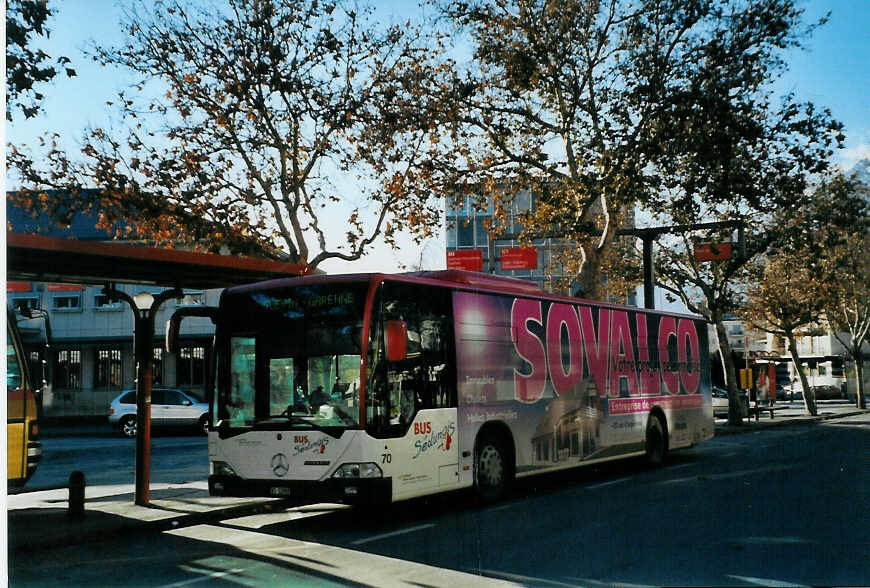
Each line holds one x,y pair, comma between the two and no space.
280,466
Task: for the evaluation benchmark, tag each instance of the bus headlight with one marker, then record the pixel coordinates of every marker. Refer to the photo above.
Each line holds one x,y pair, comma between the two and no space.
222,468
358,470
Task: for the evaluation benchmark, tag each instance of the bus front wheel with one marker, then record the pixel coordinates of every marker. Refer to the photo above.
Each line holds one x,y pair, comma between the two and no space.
656,440
490,469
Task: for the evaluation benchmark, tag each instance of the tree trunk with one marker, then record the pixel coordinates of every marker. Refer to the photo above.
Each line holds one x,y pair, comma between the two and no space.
809,395
735,411
589,281
861,402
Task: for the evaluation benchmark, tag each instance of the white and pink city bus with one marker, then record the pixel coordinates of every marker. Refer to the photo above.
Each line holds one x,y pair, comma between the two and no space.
377,388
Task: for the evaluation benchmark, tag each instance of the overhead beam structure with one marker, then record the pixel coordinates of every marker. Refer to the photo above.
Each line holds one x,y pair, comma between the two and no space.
49,259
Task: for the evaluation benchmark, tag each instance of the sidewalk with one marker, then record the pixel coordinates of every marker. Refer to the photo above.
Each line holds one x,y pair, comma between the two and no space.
39,519
790,414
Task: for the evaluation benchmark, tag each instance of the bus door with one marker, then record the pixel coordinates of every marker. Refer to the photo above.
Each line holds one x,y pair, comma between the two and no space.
411,403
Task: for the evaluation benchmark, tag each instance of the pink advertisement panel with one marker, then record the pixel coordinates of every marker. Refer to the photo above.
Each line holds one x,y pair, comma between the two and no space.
573,381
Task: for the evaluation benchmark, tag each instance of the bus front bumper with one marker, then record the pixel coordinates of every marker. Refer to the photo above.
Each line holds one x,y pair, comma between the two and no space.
345,491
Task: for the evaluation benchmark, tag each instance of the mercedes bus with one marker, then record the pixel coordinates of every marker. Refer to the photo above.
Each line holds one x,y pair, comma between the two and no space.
376,388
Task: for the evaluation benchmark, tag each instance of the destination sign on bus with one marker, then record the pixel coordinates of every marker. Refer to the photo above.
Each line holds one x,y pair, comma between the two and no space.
314,301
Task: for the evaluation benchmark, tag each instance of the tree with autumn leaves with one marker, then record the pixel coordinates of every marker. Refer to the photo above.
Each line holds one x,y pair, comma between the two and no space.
601,109
28,67
816,275
303,131
280,128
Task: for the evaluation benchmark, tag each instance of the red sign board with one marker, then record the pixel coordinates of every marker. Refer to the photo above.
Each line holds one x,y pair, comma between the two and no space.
519,258
64,288
18,286
712,251
465,259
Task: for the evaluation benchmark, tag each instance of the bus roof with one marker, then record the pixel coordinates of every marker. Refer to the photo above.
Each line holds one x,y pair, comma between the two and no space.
459,279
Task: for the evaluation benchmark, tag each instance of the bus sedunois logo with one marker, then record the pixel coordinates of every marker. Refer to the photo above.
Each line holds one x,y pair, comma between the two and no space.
280,465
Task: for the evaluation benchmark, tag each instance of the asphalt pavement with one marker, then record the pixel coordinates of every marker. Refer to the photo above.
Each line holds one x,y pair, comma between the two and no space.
41,519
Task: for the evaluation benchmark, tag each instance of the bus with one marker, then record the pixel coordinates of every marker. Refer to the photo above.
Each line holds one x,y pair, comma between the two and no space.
23,449
376,388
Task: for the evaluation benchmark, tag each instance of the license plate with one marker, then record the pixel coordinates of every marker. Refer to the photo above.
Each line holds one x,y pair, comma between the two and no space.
279,491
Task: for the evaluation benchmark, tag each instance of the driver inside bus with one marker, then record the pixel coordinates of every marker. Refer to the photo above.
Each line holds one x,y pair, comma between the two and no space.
318,398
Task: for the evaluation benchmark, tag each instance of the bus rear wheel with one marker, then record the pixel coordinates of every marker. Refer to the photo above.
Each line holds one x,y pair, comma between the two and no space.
490,469
656,441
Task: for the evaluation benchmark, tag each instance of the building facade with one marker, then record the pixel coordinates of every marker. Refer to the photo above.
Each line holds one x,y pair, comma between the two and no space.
467,233
80,344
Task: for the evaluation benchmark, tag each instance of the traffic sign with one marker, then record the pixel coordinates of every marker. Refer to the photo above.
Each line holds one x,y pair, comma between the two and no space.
712,251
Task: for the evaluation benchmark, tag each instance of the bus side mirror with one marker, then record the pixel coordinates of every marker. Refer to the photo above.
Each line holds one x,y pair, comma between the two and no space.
173,325
397,340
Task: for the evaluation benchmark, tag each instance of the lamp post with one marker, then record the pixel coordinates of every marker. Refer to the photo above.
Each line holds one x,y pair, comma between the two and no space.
144,306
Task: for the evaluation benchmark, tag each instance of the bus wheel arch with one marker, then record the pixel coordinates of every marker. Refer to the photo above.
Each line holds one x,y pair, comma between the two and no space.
656,441
494,461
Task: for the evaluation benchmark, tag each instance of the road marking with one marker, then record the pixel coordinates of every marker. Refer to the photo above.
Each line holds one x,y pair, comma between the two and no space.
206,578
727,475
392,534
765,582
610,483
679,467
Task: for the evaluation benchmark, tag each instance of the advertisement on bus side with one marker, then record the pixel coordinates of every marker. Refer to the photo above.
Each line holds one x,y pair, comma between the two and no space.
575,381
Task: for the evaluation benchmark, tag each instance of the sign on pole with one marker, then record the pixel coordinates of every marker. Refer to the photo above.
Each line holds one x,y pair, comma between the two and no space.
465,259
712,251
514,258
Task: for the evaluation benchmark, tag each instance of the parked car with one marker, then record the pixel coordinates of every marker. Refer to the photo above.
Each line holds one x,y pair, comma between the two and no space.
170,407
720,402
791,392
827,392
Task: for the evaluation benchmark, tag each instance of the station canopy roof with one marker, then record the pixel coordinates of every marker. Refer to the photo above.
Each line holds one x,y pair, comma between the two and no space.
50,259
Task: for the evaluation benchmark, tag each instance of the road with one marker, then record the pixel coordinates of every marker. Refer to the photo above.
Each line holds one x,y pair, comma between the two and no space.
109,458
781,507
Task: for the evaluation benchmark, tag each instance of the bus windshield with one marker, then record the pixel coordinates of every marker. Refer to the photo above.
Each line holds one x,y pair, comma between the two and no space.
290,358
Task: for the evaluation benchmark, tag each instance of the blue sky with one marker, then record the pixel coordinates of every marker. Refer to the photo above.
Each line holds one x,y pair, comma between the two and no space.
834,71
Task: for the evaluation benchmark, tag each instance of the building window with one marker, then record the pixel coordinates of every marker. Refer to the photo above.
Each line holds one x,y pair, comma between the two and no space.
21,303
66,302
107,373
465,233
103,302
190,368
68,369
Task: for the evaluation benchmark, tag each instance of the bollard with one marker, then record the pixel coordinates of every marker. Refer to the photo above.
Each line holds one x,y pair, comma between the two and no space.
76,507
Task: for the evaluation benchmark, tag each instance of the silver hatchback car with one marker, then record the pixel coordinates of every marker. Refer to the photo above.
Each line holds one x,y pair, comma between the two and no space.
170,407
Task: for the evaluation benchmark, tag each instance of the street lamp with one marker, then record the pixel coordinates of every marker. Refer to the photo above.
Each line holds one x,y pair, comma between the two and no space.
143,300
144,306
